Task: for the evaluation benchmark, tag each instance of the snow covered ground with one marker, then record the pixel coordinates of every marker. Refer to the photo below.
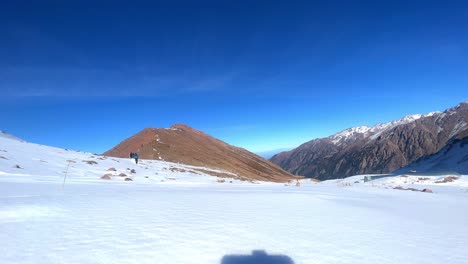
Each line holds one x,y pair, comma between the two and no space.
175,214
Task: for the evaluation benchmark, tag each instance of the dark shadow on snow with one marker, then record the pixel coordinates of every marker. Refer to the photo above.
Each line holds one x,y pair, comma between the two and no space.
257,257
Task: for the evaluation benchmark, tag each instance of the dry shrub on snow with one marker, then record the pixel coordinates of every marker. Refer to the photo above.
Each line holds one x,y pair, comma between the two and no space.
344,184
107,176
448,179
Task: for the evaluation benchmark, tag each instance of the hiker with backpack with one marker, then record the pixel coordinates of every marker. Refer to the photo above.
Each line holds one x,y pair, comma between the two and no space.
135,156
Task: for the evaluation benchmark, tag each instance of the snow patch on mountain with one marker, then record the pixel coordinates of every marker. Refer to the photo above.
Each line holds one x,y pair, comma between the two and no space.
459,127
349,133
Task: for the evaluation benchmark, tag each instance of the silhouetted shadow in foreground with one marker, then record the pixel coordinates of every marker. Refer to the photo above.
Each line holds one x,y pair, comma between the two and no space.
257,257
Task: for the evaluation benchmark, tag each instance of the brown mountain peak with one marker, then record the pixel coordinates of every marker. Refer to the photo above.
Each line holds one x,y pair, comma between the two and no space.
149,129
184,144
181,126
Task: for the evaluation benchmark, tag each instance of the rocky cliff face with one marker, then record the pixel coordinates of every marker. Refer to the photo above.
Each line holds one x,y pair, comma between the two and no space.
451,159
379,149
186,145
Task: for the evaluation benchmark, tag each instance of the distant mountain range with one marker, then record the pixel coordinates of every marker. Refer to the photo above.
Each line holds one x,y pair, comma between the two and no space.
183,144
268,154
379,149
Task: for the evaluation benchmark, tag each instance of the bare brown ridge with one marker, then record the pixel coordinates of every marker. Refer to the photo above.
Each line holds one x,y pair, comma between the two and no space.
184,144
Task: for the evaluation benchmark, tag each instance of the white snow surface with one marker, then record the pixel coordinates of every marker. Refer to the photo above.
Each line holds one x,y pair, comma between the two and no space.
194,219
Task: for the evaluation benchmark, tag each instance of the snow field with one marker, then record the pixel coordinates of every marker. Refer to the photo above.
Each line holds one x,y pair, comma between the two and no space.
194,219
141,223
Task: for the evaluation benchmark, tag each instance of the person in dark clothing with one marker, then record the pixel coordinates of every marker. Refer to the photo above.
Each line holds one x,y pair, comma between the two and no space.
131,155
135,156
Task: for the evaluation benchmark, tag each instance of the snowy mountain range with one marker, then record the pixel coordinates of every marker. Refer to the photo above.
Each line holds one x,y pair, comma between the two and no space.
373,132
378,149
433,142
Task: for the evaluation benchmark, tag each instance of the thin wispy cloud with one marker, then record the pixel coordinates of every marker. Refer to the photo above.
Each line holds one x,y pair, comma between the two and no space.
77,81
213,83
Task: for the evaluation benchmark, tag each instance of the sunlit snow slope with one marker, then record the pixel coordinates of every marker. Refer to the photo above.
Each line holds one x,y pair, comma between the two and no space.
24,160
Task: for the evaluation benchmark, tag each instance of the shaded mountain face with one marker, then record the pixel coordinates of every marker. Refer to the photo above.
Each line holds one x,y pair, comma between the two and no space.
379,149
186,145
452,158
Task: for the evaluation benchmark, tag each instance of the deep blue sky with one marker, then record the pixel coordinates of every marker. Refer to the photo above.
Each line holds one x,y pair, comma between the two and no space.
258,74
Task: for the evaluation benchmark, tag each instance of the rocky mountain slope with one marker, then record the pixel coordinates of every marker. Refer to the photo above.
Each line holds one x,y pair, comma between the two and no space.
379,149
186,145
453,158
